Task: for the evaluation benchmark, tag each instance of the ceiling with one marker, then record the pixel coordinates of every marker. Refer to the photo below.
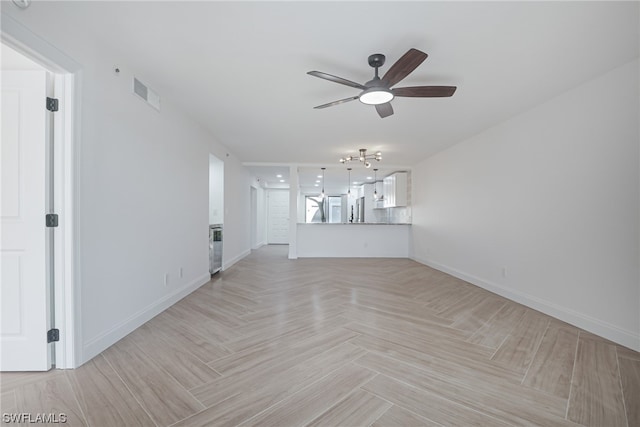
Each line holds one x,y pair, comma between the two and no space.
239,68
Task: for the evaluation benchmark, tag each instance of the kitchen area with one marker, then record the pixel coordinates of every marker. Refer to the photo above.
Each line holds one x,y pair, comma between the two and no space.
350,210
216,213
369,217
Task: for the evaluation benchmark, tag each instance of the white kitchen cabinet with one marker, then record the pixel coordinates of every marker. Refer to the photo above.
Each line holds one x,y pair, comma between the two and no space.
395,190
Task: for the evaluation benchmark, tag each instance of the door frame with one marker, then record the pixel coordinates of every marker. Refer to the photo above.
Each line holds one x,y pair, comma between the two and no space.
67,88
253,226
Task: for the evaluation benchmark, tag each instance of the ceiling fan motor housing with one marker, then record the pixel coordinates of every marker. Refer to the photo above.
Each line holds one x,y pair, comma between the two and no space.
376,60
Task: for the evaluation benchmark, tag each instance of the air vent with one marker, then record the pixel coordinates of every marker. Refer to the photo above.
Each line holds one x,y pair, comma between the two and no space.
146,93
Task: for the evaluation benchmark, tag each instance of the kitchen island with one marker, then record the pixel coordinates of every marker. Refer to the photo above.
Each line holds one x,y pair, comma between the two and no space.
353,240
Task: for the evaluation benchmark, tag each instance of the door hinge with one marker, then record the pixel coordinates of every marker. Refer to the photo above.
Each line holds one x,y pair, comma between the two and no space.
53,335
51,220
52,104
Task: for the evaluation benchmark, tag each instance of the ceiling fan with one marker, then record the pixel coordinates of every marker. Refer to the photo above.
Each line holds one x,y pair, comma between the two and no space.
378,91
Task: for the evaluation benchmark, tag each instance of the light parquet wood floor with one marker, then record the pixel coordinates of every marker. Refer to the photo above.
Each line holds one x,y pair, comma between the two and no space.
342,342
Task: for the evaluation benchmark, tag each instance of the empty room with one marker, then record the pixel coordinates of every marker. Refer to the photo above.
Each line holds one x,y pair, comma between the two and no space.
320,213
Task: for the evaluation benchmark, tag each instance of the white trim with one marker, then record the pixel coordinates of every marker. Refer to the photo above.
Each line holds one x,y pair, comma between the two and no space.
67,143
67,163
106,339
35,47
258,245
588,323
293,212
229,263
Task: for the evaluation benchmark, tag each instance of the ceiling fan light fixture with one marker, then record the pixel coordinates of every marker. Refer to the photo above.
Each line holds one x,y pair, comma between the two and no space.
376,96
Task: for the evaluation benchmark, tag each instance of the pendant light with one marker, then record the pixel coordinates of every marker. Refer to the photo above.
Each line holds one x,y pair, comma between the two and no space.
349,184
322,195
375,184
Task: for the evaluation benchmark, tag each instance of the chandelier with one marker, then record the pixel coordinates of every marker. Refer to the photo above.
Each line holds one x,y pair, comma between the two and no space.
363,157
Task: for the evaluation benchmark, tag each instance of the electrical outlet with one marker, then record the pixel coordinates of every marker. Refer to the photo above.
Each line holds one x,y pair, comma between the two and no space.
180,272
166,279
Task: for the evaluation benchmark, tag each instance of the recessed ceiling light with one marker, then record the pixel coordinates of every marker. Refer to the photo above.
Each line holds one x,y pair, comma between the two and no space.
317,181
316,185
282,180
355,182
369,177
278,176
319,176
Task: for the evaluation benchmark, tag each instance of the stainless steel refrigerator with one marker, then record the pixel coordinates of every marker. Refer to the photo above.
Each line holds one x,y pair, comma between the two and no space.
215,248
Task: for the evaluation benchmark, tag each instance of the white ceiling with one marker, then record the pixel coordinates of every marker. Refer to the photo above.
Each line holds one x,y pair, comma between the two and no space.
239,68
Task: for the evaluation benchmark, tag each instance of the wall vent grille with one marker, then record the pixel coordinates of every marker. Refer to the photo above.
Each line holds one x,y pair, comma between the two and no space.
150,96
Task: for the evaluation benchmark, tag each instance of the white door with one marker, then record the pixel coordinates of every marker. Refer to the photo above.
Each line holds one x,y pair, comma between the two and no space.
278,217
23,287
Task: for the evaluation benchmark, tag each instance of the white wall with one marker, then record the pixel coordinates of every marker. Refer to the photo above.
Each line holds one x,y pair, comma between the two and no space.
237,214
552,197
333,240
216,190
260,215
143,192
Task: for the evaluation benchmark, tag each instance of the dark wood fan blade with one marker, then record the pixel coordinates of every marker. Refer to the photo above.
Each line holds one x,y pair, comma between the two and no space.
424,91
336,79
341,101
404,66
385,109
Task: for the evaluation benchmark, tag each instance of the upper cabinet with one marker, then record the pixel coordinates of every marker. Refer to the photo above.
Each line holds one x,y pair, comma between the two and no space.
395,190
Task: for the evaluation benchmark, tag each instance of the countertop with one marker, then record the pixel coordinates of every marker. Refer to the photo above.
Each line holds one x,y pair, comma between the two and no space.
354,223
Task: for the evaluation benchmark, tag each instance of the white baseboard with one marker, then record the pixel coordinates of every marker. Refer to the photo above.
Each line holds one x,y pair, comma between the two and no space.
258,246
233,260
581,320
103,341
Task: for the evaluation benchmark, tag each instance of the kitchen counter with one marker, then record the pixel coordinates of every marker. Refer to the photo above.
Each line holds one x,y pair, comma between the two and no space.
354,223
365,240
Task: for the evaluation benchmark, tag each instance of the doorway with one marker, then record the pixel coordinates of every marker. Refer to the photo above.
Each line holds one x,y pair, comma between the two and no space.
278,217
216,214
39,321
